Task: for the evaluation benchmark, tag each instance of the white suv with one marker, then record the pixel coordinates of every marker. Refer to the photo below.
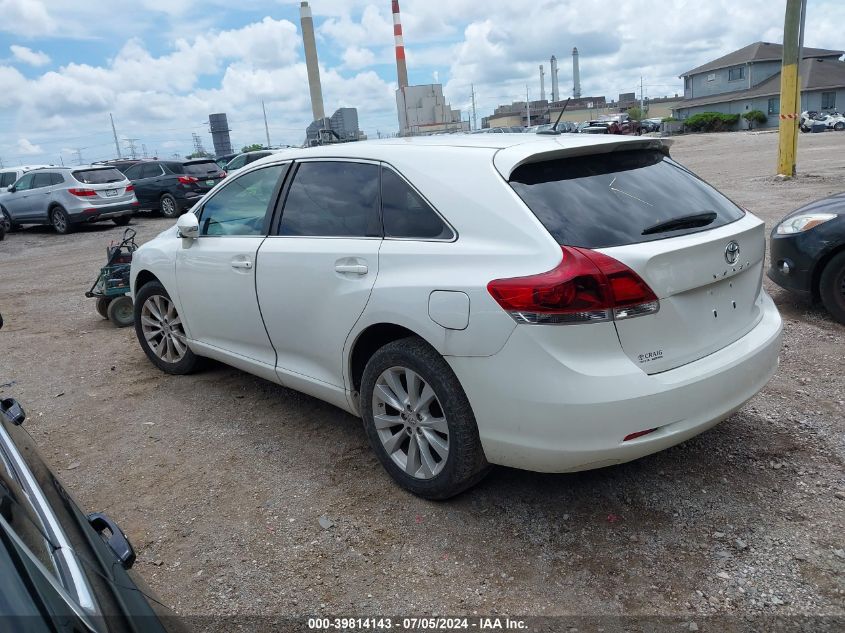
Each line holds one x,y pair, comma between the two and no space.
553,303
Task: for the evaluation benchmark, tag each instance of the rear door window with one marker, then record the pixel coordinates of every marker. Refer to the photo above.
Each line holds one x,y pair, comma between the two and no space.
405,214
620,198
57,179
333,199
150,170
240,207
98,176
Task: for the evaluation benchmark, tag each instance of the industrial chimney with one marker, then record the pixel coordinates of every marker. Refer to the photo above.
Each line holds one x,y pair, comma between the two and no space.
401,68
542,83
310,45
576,75
555,94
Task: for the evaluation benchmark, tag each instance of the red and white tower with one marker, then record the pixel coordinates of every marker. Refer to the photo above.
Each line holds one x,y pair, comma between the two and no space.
401,68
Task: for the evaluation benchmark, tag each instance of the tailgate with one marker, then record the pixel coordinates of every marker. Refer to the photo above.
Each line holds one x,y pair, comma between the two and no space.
708,300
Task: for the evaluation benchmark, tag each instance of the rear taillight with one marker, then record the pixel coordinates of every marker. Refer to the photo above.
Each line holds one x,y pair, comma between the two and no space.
130,187
82,193
187,180
586,287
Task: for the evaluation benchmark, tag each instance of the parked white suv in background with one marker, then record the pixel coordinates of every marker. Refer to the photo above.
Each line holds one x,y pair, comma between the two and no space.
553,303
10,175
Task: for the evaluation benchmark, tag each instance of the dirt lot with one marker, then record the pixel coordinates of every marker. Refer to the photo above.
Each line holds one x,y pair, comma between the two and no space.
220,478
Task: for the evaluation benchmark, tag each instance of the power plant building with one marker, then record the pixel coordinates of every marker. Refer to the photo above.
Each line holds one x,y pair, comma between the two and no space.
342,127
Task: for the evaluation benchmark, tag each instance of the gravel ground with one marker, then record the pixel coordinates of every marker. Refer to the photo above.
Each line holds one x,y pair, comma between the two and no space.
220,479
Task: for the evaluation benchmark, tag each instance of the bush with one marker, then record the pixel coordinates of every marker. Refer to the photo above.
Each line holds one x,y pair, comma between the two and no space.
711,122
754,116
668,119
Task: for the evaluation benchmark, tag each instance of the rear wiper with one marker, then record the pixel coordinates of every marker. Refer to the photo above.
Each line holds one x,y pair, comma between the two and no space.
685,222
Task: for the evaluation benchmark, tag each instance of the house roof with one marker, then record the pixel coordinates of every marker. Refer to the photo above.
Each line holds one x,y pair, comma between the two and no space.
816,74
759,52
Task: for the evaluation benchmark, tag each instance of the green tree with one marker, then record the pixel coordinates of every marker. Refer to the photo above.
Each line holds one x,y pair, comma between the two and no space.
252,148
199,155
635,113
754,116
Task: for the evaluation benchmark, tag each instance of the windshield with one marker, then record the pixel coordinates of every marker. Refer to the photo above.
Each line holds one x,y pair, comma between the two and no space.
620,198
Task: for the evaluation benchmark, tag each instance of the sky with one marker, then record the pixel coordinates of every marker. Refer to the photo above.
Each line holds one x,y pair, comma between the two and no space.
160,67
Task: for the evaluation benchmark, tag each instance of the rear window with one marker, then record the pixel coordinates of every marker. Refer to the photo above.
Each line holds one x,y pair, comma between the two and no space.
620,198
8,178
98,176
201,169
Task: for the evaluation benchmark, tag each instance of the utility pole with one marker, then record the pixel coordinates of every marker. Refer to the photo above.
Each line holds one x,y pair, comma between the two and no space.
114,131
266,127
790,88
144,150
131,143
528,105
642,106
474,117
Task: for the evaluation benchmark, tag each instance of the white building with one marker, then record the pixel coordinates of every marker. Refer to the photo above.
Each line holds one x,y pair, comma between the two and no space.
423,110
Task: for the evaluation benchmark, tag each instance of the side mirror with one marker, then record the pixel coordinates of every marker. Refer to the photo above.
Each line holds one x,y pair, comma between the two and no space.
11,189
12,411
188,226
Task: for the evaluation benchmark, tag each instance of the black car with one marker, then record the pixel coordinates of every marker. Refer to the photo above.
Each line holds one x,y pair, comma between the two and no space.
808,253
60,569
121,164
173,187
242,160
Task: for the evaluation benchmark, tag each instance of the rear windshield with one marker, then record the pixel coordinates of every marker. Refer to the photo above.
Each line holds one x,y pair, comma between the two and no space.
201,169
98,176
620,198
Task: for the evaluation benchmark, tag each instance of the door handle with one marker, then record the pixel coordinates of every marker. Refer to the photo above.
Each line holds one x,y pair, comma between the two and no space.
242,263
354,269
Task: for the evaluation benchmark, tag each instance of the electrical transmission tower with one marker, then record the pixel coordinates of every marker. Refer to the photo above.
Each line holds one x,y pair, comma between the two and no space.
199,150
131,143
78,153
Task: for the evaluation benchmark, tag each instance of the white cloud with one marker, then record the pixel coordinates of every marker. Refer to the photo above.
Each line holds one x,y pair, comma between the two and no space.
25,17
356,58
29,56
27,148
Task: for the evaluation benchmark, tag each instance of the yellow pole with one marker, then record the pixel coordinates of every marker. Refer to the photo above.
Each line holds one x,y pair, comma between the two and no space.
790,91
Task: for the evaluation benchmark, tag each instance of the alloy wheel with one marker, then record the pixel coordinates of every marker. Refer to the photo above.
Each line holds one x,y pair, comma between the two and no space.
59,221
410,422
168,207
163,330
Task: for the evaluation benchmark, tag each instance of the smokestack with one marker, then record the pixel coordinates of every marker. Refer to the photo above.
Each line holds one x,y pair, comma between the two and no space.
555,94
310,45
576,75
401,68
542,84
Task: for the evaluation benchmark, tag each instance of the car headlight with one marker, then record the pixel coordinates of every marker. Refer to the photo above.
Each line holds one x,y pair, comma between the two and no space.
803,222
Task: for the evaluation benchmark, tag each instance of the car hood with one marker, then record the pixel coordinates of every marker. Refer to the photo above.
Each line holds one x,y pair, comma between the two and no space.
831,204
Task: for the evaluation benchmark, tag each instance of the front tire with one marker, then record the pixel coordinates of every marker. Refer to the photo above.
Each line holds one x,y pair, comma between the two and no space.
419,422
6,221
160,332
839,126
61,221
168,206
832,287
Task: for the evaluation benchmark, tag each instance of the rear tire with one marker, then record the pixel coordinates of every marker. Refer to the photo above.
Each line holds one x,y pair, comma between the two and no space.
156,320
464,464
121,312
839,126
103,306
123,220
168,206
60,221
832,287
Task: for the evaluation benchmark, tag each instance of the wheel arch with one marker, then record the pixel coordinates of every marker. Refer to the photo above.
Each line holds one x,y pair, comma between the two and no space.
367,343
819,268
142,278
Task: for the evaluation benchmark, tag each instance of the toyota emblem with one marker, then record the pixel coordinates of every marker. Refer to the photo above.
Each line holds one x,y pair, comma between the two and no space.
732,252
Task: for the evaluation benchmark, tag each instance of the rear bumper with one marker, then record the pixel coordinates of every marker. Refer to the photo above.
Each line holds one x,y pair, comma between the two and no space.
104,212
549,411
